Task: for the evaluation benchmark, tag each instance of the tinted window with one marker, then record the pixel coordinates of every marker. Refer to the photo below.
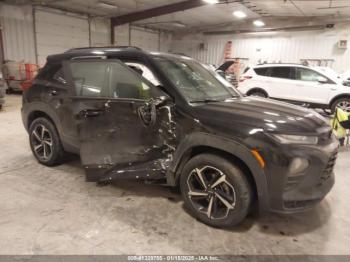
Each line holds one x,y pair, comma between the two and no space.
144,71
125,83
262,71
90,78
281,72
305,74
52,72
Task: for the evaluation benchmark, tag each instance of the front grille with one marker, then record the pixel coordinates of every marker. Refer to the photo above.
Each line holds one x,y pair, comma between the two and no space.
328,171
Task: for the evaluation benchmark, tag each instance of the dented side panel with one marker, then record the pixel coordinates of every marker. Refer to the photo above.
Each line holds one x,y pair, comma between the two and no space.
117,144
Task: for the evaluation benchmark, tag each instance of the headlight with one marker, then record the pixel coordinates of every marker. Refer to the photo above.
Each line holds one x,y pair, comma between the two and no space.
292,139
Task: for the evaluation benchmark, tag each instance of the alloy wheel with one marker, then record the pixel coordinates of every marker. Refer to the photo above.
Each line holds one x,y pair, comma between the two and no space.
210,192
41,139
344,105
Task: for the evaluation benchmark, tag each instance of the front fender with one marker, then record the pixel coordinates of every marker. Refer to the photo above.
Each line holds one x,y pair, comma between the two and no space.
234,148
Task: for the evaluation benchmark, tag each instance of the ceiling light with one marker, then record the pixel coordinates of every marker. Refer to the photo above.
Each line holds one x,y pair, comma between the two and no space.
239,14
211,2
259,23
107,5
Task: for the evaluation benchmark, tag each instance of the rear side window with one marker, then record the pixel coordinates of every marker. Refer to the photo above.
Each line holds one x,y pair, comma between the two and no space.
281,72
52,72
262,71
90,78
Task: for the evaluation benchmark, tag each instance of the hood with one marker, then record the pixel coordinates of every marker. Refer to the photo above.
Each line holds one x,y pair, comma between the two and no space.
260,113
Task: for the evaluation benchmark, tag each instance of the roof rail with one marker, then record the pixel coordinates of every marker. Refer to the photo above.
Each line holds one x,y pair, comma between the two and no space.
102,47
279,63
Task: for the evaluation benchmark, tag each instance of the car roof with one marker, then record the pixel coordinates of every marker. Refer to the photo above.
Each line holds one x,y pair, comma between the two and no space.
108,52
280,65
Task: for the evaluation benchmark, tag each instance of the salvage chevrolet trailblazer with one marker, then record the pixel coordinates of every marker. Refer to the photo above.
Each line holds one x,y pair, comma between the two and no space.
167,118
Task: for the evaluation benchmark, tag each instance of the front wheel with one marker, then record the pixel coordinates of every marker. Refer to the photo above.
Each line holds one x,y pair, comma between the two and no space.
215,191
342,103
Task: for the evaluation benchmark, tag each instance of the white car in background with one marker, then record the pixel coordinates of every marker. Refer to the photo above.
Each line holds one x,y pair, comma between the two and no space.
296,84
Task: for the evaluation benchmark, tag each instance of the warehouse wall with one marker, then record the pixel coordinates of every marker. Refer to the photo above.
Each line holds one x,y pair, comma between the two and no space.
18,36
271,47
149,40
55,32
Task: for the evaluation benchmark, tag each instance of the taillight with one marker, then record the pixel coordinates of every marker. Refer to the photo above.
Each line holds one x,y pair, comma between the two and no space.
26,85
243,78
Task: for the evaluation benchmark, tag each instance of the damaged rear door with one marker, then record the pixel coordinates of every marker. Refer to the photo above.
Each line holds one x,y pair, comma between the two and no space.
122,120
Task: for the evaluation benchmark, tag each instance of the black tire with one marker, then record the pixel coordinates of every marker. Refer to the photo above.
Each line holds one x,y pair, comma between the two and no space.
258,93
54,153
238,196
338,103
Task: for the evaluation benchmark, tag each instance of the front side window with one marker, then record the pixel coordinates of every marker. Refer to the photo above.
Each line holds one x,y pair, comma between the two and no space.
127,83
193,80
144,71
90,78
304,74
281,72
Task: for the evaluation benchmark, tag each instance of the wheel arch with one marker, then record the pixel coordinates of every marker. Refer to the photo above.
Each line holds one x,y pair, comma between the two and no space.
36,114
198,143
338,97
254,89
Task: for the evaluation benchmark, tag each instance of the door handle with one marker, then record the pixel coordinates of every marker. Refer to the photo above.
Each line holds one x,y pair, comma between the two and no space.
90,113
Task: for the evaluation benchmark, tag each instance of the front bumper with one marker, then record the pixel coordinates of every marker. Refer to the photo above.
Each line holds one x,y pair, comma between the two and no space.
289,194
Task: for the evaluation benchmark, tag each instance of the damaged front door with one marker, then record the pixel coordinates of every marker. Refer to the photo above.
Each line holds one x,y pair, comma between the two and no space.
120,120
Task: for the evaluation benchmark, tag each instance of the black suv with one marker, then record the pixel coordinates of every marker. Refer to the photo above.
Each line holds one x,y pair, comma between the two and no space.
168,119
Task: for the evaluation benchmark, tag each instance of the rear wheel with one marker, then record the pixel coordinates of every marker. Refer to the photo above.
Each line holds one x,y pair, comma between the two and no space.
45,142
215,191
342,103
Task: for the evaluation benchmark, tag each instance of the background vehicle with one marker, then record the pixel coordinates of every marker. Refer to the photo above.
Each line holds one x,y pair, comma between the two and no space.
297,84
183,126
229,75
333,75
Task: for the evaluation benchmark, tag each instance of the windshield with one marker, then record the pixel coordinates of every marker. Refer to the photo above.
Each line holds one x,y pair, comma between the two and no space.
196,82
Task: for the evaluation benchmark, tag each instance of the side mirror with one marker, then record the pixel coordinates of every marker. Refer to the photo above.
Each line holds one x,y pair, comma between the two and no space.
322,80
148,112
161,101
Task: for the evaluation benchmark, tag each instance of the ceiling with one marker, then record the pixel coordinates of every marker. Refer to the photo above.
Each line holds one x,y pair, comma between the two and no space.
206,16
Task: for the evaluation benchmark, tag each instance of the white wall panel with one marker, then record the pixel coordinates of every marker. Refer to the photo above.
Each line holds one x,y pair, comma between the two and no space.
285,47
56,32
122,35
100,32
145,39
17,30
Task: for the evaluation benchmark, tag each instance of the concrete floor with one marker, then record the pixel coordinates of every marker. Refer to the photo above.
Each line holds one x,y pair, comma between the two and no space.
54,211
